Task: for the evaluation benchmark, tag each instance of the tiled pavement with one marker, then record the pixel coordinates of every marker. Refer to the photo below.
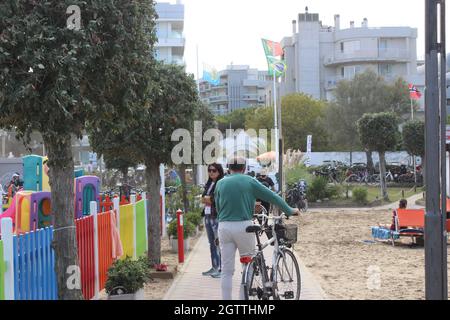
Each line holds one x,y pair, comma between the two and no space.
189,283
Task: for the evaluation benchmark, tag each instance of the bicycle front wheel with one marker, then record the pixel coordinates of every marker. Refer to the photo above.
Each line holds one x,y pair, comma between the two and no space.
253,281
286,276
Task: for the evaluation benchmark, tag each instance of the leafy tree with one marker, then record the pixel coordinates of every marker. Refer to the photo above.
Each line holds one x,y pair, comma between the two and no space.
234,120
53,80
146,137
301,116
379,132
414,139
366,93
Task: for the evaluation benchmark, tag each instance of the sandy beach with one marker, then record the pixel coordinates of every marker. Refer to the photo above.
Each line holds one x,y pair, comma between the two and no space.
337,247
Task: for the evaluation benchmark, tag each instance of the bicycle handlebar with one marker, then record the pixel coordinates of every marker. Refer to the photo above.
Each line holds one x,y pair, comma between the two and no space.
262,215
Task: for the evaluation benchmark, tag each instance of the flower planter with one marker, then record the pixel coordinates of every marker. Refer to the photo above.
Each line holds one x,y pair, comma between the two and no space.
174,245
138,295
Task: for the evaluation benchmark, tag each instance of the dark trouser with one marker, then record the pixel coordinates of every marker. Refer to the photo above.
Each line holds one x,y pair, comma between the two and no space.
212,225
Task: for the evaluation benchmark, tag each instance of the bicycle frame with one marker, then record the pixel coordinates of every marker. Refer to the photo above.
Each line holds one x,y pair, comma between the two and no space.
268,281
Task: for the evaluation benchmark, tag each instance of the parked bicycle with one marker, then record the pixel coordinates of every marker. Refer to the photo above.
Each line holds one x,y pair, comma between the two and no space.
296,196
282,280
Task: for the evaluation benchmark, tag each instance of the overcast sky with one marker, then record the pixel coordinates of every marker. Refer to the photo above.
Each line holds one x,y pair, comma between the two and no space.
230,31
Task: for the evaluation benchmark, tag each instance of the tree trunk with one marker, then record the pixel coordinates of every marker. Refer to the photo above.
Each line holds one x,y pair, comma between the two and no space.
124,172
370,166
61,170
383,176
183,187
195,173
153,181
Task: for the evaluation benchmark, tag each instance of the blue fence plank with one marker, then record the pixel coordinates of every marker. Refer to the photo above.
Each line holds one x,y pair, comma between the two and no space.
45,286
39,264
52,267
16,268
22,277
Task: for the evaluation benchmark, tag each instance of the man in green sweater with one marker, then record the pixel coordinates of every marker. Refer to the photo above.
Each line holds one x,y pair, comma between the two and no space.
235,197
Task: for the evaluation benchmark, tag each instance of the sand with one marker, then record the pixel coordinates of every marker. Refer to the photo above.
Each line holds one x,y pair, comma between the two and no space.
331,245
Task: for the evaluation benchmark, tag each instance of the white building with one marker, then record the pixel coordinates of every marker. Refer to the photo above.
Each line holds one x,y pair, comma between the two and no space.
169,30
319,56
240,87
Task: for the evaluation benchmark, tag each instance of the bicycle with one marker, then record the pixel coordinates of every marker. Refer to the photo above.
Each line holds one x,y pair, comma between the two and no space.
296,197
284,280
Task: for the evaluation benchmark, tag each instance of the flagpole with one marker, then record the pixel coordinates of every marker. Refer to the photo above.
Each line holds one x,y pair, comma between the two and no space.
413,157
275,115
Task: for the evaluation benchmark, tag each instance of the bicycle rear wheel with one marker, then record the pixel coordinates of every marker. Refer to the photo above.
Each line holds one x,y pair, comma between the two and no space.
253,281
287,276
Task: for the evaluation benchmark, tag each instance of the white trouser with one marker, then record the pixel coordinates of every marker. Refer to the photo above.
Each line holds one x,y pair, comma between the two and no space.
232,236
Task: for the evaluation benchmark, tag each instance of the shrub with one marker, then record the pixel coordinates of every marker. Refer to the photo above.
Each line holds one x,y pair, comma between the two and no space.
317,189
129,274
189,229
194,217
333,191
360,195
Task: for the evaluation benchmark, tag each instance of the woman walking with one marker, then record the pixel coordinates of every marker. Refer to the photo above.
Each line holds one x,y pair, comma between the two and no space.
215,172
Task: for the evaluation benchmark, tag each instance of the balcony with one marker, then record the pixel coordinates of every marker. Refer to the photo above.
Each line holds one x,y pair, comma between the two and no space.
393,55
250,97
218,99
174,39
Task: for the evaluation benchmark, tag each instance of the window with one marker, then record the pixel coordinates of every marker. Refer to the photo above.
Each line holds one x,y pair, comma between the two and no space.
383,44
385,69
351,46
342,72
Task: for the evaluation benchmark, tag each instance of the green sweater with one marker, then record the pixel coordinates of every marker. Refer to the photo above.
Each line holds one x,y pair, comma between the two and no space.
236,194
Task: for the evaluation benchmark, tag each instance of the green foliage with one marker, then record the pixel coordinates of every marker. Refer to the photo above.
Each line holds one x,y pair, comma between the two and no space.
189,229
301,116
414,137
297,173
235,120
334,191
318,189
129,274
378,132
360,195
194,217
366,93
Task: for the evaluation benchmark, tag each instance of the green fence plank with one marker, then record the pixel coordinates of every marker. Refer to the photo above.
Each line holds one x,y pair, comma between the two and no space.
141,239
2,272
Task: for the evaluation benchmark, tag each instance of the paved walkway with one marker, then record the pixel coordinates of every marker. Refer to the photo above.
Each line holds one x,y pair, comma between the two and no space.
191,285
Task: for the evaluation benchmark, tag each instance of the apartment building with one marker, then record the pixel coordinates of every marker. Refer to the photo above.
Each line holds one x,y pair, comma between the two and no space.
169,30
319,56
240,87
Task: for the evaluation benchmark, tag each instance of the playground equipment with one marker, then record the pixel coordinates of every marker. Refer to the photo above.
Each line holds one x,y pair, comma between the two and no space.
87,189
33,211
35,173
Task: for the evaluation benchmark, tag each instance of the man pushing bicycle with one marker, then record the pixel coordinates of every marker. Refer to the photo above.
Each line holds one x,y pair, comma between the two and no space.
235,197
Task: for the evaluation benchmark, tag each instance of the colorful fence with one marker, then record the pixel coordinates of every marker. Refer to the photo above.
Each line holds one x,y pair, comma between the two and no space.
127,230
85,242
141,229
32,276
104,247
2,273
34,266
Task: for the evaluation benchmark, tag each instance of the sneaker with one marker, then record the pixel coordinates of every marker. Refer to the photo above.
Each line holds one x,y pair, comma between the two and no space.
216,274
209,272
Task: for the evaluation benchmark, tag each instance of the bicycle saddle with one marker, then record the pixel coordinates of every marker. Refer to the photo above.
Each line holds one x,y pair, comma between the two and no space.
253,229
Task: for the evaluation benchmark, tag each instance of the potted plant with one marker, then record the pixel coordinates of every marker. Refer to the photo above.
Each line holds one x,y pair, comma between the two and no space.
126,279
196,219
172,231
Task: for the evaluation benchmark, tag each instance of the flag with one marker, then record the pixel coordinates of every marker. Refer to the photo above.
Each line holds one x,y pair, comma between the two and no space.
211,75
414,93
272,48
274,51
